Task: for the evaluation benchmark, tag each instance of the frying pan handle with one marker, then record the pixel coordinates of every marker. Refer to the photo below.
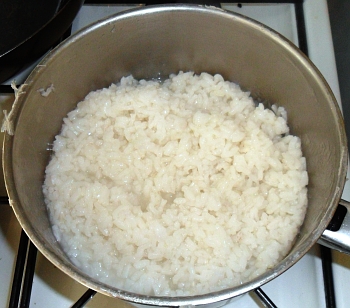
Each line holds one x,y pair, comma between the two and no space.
340,239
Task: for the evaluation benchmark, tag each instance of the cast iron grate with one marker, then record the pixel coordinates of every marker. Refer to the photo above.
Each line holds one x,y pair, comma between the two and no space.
26,254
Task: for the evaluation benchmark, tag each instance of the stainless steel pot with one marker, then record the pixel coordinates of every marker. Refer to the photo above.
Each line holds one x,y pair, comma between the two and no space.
154,42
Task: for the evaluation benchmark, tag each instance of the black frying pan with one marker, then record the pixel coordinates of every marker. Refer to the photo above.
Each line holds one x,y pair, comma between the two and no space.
28,28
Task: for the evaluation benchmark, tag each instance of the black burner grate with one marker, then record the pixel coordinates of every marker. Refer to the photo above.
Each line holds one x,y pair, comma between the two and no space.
26,255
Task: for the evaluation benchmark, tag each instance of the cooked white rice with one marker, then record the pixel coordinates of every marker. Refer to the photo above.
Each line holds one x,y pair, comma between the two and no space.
176,188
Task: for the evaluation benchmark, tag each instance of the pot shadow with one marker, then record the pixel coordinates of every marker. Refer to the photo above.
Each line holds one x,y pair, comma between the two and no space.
6,102
9,226
257,300
48,277
10,232
341,259
70,289
338,258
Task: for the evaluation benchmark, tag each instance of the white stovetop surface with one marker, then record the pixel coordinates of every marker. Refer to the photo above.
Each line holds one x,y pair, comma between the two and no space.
301,286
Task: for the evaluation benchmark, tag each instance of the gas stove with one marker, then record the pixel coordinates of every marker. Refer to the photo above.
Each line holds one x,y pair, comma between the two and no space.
318,280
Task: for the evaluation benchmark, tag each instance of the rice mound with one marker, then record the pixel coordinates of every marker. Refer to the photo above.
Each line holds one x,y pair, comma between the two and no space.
173,188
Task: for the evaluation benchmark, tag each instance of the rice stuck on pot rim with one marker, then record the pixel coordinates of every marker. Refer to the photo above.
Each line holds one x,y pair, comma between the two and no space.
180,187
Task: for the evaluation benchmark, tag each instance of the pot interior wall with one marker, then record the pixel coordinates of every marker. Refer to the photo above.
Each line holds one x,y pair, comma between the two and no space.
153,45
